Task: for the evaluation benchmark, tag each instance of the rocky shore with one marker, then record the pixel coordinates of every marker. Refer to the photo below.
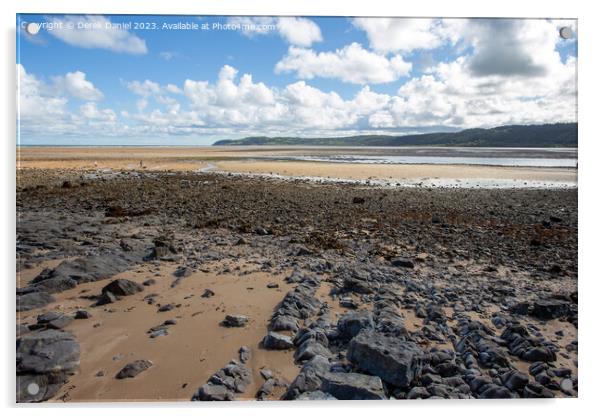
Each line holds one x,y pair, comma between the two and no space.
352,291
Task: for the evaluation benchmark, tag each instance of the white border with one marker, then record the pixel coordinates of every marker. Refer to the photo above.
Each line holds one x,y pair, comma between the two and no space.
590,176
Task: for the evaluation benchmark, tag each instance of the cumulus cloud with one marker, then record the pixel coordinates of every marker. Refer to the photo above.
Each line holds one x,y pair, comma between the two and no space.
43,108
76,85
96,32
404,35
472,87
35,99
352,64
512,47
144,88
91,111
298,31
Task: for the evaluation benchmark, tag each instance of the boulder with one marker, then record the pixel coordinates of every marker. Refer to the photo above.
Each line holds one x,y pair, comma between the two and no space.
309,349
106,298
350,324
45,359
84,269
33,300
315,395
276,341
54,320
316,376
550,309
396,361
225,383
122,287
213,392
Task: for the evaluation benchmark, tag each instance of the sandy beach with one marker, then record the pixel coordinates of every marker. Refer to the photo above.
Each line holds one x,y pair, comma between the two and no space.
247,160
303,263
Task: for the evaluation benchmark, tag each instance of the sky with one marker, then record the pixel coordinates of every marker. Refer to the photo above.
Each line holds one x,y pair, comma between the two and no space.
182,80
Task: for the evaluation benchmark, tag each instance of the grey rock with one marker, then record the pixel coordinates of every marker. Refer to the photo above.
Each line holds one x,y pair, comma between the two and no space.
493,391
213,392
82,314
54,320
266,374
56,284
353,386
276,341
394,360
208,293
182,271
106,298
47,351
166,308
350,324
244,354
550,309
33,300
231,321
402,262
284,323
515,380
309,349
231,379
418,393
45,358
122,287
539,354
315,395
266,388
315,375
566,385
87,269
133,369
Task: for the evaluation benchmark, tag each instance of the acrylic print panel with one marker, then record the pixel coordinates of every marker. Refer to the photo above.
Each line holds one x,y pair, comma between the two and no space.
295,208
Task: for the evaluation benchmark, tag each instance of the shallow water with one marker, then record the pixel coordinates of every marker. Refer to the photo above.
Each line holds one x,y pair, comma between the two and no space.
533,157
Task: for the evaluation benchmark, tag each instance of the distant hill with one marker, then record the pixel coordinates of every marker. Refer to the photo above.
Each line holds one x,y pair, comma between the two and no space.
543,135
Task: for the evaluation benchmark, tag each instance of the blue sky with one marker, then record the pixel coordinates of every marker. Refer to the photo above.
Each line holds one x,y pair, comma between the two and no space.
111,84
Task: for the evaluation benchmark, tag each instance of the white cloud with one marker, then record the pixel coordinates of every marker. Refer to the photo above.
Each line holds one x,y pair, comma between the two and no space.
43,108
512,47
402,34
76,85
91,112
298,31
96,32
351,64
35,99
473,87
145,88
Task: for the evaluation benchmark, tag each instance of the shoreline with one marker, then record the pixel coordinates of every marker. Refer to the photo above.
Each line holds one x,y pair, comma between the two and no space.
258,162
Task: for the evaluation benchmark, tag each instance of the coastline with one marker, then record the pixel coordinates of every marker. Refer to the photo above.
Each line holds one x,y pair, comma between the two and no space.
249,161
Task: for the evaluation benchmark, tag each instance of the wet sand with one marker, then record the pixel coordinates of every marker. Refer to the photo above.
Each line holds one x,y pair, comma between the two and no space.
397,172
244,160
196,347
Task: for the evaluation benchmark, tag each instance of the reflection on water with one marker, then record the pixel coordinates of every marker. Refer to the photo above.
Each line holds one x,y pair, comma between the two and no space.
436,160
487,156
